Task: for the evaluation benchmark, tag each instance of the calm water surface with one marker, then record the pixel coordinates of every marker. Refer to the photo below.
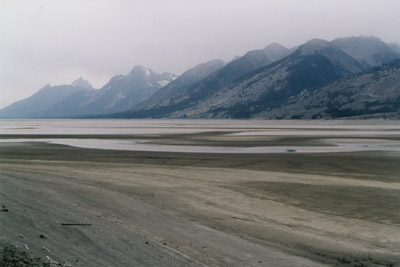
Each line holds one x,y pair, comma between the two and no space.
334,133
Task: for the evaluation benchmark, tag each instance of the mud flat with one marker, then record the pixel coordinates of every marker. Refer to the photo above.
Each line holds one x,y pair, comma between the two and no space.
97,207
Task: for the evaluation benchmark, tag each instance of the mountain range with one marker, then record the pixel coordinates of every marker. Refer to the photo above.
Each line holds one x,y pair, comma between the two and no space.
356,77
121,93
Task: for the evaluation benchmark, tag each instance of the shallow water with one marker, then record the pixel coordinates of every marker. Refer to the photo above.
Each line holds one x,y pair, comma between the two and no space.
244,127
332,129
339,145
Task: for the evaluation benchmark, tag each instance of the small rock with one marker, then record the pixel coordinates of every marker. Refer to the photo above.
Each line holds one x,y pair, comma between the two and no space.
20,235
147,243
42,236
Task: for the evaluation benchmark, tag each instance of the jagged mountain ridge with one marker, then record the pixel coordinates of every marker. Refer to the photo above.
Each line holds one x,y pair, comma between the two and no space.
369,50
257,84
121,93
313,63
37,104
218,80
189,78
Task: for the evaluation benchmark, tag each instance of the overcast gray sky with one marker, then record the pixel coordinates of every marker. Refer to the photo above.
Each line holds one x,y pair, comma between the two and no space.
57,41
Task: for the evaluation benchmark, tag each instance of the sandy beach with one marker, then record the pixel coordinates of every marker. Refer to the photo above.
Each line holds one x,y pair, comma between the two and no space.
97,207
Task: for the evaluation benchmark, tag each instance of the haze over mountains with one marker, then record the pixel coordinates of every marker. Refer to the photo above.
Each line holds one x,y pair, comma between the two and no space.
45,98
347,77
79,98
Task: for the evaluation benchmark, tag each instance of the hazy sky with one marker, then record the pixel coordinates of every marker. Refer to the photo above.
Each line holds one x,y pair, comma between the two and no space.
57,41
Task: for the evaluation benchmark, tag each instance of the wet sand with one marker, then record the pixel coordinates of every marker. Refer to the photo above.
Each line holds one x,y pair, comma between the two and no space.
191,209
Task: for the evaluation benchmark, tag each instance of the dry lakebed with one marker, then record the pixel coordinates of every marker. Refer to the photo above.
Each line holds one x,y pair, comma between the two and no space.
202,193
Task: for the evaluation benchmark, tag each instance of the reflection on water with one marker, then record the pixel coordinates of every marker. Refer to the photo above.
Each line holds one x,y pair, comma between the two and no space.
339,145
245,127
332,129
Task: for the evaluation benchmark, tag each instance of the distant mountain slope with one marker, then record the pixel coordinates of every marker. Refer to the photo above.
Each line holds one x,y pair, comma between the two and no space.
395,47
188,79
369,50
251,61
373,94
273,82
218,80
121,93
124,92
314,63
38,103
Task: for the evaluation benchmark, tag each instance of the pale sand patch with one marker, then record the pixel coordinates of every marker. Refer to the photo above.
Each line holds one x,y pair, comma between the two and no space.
120,214
207,214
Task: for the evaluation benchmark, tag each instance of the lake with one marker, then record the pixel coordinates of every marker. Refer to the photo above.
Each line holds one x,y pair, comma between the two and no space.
153,135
